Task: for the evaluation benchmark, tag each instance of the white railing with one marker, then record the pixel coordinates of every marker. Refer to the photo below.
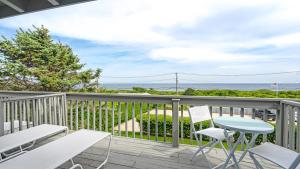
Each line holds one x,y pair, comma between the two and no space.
24,111
95,111
161,118
289,124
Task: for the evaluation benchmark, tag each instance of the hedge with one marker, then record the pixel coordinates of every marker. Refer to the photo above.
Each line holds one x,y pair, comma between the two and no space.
186,128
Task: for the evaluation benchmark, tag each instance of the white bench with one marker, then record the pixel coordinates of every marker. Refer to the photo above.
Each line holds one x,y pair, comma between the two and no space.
21,139
56,153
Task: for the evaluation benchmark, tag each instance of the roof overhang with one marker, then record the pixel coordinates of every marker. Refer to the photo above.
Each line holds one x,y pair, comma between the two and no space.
17,7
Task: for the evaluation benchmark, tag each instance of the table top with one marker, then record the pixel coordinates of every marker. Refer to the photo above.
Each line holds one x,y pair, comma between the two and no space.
244,125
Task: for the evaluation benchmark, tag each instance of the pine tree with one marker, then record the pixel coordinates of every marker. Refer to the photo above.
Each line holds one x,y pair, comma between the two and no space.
33,61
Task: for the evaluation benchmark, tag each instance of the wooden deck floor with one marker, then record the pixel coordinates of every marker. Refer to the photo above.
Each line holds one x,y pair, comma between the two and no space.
127,153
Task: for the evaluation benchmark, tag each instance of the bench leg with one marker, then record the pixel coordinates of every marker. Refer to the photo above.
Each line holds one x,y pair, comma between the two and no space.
102,164
107,155
75,165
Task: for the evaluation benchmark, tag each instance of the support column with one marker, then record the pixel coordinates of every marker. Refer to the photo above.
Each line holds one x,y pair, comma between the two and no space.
175,122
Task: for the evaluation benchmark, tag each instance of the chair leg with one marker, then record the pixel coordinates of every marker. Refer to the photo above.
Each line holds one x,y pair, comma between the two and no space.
257,164
200,149
212,146
209,164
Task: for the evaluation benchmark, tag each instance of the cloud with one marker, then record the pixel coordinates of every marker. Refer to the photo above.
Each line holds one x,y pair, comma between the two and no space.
166,35
199,54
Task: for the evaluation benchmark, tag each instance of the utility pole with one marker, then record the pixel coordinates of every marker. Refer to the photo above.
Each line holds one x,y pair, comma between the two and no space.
176,74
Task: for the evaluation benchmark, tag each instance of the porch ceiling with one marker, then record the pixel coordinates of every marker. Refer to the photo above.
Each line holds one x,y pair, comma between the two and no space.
10,8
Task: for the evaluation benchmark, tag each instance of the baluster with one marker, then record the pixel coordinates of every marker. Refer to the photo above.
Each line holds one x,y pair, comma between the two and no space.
65,109
191,132
210,110
148,122
27,102
100,115
285,125
23,114
8,111
242,113
231,111
94,115
106,116
82,114
58,111
200,135
265,118
71,114
132,118
253,113
45,111
76,115
292,128
119,117
39,112
156,123
182,121
88,113
34,113
126,119
50,110
3,107
141,120
165,123
12,124
15,110
113,118
20,115
298,129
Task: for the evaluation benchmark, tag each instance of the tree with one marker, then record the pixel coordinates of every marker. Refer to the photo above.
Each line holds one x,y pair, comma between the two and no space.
33,61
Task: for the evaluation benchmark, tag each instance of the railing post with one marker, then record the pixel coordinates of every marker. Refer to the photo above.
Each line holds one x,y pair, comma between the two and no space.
1,118
175,122
279,124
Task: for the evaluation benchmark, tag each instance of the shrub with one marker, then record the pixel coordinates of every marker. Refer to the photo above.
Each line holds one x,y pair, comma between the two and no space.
186,128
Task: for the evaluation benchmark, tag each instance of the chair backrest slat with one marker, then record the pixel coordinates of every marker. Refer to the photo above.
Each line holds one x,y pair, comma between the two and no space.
199,114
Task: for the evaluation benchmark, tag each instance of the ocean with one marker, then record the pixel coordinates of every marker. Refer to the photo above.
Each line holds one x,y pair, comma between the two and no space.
204,86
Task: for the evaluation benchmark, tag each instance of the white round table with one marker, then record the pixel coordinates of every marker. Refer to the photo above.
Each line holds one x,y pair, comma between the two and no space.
243,126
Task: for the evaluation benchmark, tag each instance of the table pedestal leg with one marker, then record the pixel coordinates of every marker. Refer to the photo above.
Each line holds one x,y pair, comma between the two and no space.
250,144
232,150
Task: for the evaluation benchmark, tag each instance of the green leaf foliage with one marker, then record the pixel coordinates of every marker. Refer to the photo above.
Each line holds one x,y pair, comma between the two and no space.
186,128
32,60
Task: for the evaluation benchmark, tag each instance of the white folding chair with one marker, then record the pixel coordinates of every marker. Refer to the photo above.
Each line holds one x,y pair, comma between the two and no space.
199,114
281,156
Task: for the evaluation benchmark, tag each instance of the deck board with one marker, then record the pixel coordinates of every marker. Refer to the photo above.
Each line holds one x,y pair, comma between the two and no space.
128,153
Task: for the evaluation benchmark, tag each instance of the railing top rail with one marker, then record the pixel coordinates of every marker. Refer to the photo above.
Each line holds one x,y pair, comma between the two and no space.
291,102
165,99
31,97
171,96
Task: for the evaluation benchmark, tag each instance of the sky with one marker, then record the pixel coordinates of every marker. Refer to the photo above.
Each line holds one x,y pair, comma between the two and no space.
161,37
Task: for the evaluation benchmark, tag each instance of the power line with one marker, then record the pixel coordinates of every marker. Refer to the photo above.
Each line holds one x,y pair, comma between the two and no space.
254,74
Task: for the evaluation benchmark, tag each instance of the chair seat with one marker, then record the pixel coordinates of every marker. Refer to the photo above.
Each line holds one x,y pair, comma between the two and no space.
216,133
276,154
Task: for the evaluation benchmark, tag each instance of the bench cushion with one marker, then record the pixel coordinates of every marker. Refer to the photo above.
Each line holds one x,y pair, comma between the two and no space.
10,141
54,154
